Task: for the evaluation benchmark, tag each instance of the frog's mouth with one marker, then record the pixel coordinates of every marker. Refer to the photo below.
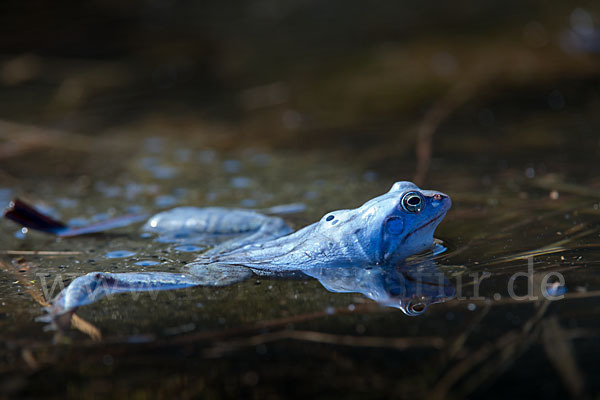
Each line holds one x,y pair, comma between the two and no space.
425,225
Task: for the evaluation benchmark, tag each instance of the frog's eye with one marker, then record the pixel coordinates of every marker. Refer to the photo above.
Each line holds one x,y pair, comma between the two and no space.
413,202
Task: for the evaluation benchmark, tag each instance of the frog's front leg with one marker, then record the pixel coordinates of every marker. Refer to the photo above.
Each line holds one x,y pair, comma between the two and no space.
94,286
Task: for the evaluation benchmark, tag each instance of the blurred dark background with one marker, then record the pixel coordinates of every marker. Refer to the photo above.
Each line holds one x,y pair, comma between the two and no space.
295,73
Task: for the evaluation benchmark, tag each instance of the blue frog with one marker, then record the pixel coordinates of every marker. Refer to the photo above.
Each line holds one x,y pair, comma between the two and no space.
356,250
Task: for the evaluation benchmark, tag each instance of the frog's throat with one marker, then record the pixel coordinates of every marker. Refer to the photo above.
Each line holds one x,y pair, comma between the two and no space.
426,224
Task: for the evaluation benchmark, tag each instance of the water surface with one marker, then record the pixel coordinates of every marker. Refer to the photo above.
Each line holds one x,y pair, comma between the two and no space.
505,122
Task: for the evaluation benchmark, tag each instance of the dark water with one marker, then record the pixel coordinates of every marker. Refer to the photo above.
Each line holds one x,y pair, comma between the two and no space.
218,110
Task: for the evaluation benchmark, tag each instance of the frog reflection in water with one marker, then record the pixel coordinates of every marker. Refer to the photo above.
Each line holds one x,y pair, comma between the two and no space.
360,250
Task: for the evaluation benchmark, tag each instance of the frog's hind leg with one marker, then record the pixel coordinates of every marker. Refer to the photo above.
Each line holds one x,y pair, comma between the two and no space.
94,286
218,274
271,228
231,228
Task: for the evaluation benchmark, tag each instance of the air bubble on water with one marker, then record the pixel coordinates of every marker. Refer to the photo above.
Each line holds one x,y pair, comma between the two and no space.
181,235
135,209
240,182
165,201
163,171
180,192
232,166
311,195
248,203
119,254
211,196
189,248
207,156
146,263
286,208
21,233
147,162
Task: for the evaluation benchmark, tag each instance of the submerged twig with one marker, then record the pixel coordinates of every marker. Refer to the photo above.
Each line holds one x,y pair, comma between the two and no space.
270,324
433,118
86,327
560,353
76,322
39,253
28,137
507,347
552,182
458,343
397,343
552,248
29,359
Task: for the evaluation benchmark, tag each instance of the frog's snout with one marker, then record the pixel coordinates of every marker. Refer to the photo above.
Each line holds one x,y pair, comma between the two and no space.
442,199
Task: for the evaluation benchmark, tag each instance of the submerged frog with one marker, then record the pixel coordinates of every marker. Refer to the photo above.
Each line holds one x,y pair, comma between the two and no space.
356,250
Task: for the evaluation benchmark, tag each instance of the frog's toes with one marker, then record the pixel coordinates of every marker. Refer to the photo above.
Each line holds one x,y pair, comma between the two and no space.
55,319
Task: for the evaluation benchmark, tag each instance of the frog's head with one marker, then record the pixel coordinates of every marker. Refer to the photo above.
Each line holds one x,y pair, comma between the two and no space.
402,221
